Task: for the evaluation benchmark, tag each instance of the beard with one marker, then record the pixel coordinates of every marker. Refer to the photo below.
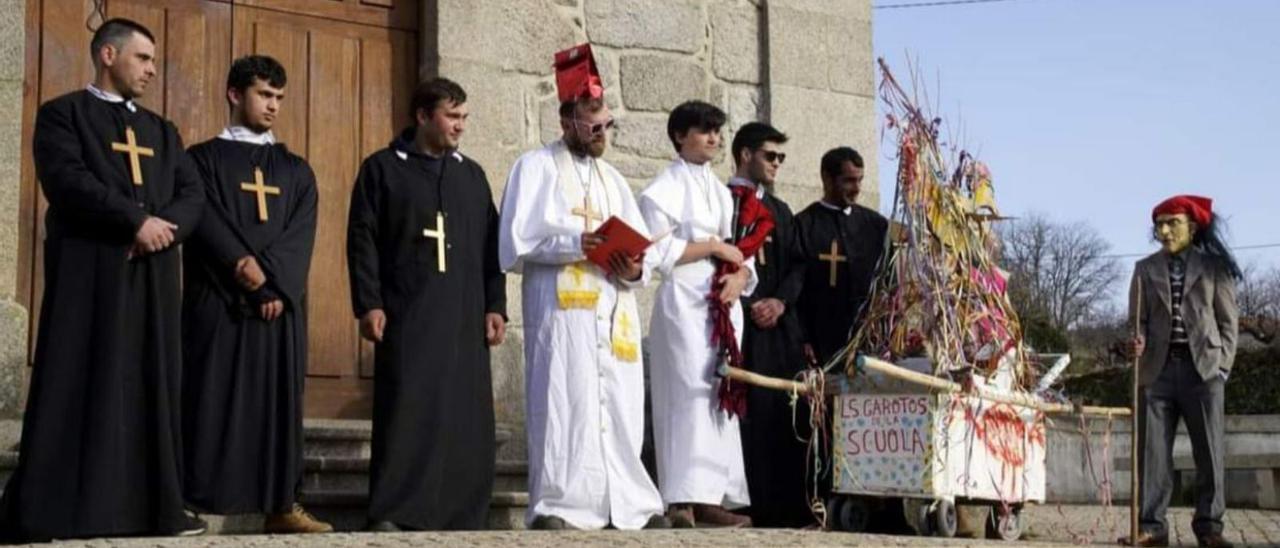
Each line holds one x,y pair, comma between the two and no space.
594,148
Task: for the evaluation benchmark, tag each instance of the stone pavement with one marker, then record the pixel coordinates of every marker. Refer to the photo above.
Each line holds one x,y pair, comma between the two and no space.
1049,525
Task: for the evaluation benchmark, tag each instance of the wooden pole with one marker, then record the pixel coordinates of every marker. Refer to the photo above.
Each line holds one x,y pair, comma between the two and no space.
1011,398
930,381
1135,485
765,381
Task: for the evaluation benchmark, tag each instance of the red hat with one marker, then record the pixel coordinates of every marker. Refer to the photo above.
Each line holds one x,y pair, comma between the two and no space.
1198,208
576,74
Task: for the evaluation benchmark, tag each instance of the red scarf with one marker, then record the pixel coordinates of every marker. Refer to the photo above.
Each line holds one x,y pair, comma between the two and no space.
752,223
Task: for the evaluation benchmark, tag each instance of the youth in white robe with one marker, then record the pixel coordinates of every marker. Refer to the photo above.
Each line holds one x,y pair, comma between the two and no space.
584,378
698,446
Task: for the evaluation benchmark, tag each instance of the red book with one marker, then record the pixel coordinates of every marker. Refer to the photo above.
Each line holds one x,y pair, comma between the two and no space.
618,236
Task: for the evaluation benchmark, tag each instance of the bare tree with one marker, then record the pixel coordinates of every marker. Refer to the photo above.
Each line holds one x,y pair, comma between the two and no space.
1258,296
1059,271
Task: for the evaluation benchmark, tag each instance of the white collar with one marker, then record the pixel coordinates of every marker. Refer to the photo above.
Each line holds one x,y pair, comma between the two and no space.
700,172
846,210
243,134
741,181
405,155
110,97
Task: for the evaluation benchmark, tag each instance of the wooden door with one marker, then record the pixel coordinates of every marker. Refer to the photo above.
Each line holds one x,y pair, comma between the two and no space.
352,65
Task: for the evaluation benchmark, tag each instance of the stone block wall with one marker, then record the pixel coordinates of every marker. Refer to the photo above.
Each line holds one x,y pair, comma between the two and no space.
803,65
13,316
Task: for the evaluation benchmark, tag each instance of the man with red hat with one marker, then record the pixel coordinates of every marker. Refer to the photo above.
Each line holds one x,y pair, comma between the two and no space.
1183,298
584,376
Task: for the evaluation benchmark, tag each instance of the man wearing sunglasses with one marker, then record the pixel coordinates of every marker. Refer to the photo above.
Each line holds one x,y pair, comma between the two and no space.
774,459
584,377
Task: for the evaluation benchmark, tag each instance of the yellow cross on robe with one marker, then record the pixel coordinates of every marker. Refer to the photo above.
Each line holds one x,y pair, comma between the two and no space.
260,187
835,258
131,148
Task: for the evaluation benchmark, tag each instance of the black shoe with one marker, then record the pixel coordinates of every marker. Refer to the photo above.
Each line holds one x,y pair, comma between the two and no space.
549,523
1213,540
658,521
382,526
192,526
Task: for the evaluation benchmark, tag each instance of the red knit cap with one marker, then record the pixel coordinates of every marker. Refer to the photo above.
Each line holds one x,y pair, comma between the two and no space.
1198,208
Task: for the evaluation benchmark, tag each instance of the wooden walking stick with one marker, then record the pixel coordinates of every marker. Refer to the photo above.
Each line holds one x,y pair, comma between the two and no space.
1135,485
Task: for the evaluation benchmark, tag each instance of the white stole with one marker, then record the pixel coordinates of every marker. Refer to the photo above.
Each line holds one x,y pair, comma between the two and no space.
577,284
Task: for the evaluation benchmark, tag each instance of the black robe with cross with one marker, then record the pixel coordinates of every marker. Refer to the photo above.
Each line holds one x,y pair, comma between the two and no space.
242,388
101,438
774,458
828,312
433,420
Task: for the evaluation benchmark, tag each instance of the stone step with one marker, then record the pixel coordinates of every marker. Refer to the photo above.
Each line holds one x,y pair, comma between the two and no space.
328,474
335,481
353,438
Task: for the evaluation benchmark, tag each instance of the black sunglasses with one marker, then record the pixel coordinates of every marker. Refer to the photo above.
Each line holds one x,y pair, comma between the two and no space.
595,129
774,156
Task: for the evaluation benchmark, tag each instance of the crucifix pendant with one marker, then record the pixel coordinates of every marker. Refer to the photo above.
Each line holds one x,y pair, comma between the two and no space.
760,254
586,213
438,235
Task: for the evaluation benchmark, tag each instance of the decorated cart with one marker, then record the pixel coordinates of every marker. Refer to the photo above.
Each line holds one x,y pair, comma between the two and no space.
935,409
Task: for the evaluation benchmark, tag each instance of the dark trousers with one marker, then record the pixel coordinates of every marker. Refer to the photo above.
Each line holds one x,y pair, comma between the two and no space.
1181,393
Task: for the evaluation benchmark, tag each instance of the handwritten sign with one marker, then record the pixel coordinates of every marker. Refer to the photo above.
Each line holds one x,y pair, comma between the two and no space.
884,442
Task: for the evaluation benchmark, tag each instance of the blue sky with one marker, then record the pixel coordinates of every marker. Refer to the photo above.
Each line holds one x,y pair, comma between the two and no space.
1095,110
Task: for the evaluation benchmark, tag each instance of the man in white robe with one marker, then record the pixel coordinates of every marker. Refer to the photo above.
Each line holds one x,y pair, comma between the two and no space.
584,377
698,446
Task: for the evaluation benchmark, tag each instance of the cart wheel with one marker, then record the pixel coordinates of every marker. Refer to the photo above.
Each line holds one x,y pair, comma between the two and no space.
1005,525
853,514
918,516
944,519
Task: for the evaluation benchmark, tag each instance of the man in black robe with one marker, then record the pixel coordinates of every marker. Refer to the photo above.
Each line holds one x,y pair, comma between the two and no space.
838,245
101,443
422,249
244,312
774,458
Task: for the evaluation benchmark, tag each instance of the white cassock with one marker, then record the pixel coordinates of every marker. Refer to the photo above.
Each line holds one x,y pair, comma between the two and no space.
584,378
699,448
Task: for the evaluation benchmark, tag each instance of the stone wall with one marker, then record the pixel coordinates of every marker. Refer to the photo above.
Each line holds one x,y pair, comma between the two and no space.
803,65
13,316
1076,465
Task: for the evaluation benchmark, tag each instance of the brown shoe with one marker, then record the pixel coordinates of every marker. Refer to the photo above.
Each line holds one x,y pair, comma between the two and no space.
296,521
707,515
1145,539
1214,540
681,516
